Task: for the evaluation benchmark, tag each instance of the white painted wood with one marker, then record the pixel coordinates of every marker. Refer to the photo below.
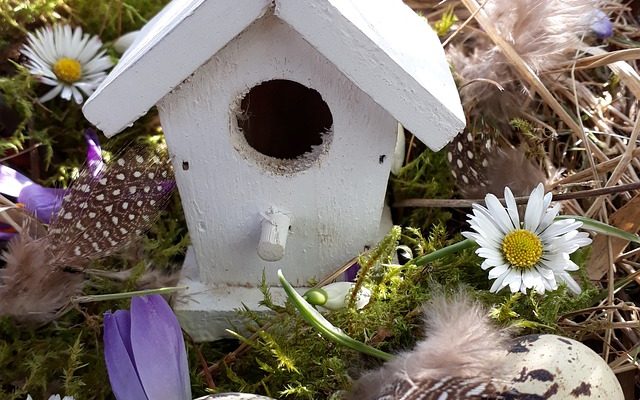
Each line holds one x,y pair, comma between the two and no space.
207,312
391,54
380,45
373,62
336,203
273,236
184,35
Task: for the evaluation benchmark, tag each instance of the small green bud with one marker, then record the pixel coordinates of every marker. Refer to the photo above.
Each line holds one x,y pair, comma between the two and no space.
316,296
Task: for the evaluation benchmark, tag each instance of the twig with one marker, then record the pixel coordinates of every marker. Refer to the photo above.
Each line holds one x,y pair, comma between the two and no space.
463,203
622,164
27,150
465,23
605,166
525,71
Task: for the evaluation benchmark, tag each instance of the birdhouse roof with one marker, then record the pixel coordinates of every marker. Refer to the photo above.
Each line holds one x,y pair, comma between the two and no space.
382,46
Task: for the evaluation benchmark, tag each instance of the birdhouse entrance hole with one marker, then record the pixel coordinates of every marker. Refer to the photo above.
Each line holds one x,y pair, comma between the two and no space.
286,121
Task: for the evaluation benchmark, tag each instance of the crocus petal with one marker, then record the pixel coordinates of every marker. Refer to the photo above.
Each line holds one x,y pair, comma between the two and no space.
94,152
41,201
118,356
5,233
351,273
12,181
158,348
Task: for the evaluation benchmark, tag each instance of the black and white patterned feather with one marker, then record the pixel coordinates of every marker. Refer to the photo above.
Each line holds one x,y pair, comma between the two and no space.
462,357
481,164
451,388
104,210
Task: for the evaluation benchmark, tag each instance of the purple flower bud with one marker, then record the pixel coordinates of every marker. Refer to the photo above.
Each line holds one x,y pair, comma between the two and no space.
94,152
145,353
44,202
12,181
351,273
600,24
41,201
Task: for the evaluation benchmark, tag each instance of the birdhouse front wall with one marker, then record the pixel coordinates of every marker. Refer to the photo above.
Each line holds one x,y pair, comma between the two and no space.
333,193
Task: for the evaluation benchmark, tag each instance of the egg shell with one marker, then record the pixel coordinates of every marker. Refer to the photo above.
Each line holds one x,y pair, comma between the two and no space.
556,367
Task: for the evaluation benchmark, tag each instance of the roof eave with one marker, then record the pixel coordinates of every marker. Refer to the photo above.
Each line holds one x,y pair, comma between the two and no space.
414,84
147,74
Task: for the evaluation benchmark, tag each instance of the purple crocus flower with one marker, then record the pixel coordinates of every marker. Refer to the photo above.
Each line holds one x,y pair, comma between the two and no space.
41,201
145,353
351,273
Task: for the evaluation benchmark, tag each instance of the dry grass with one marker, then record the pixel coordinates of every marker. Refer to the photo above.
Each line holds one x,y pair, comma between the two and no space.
585,125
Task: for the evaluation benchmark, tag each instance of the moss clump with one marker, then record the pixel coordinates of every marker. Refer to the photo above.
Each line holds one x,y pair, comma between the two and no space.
287,359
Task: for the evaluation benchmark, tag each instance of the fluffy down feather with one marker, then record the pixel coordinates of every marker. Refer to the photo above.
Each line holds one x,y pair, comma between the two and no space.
545,33
462,357
31,290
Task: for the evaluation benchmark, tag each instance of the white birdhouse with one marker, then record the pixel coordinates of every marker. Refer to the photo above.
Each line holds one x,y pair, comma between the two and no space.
280,117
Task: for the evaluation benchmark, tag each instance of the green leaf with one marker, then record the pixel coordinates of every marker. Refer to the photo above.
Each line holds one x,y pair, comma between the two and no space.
320,323
445,251
600,227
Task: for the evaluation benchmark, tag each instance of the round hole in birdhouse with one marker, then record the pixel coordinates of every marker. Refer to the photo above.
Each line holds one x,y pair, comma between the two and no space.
285,121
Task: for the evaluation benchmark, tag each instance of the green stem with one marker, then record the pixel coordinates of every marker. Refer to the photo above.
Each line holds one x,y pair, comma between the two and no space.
320,323
445,251
125,295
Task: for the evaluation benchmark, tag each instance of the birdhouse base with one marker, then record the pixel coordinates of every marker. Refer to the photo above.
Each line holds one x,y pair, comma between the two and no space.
206,312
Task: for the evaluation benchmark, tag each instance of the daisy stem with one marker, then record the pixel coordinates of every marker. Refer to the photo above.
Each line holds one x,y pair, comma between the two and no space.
445,251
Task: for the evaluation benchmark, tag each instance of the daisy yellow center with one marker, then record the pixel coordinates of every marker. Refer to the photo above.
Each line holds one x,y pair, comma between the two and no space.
522,248
68,70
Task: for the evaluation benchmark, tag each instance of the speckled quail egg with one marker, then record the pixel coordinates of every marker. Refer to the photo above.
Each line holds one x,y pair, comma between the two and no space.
558,368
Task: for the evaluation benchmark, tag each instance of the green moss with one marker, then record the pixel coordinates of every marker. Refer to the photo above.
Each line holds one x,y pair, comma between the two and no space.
288,359
427,176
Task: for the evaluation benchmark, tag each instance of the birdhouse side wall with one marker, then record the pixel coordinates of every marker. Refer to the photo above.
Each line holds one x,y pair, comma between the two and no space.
334,201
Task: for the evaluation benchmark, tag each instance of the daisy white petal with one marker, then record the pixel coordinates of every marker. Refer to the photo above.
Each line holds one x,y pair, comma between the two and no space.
532,254
51,94
513,280
560,228
499,270
534,212
548,218
571,283
77,96
487,264
544,271
512,208
66,92
498,283
68,59
499,214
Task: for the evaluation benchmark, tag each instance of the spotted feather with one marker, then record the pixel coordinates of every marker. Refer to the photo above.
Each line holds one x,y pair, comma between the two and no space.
102,212
481,165
451,388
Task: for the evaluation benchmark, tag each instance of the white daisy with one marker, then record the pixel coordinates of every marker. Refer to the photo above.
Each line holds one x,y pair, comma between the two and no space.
70,61
533,253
